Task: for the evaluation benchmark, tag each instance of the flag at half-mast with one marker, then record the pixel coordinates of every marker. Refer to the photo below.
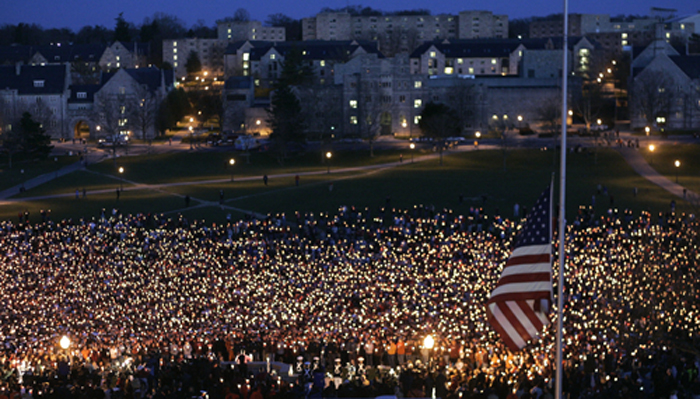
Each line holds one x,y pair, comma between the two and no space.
518,306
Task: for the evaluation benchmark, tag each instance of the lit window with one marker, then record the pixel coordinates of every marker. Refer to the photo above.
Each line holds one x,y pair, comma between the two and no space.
273,56
353,103
174,44
449,70
416,119
493,61
174,51
417,84
174,58
246,56
432,54
322,63
471,71
82,94
175,64
460,61
353,120
417,103
38,83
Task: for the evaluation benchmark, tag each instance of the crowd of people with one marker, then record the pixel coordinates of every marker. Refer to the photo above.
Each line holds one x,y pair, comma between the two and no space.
160,308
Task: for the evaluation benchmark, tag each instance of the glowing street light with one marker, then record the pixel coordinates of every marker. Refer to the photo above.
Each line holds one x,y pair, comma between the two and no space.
647,130
328,160
121,181
64,342
678,165
412,146
652,147
231,162
428,343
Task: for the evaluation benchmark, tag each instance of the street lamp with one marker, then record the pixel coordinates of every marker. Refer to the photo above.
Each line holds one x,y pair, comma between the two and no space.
412,146
121,179
476,142
678,165
428,343
231,162
652,147
191,135
64,342
55,160
328,160
647,130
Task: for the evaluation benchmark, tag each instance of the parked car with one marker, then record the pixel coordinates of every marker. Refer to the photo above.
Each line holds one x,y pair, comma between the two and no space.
109,141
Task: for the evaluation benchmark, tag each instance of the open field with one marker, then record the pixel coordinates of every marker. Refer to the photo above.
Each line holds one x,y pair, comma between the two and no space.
159,183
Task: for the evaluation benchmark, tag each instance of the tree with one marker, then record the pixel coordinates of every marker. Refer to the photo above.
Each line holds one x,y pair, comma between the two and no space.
11,138
549,112
172,110
36,143
109,113
143,110
157,28
122,30
194,64
438,121
464,97
292,26
286,121
93,35
652,95
589,103
321,109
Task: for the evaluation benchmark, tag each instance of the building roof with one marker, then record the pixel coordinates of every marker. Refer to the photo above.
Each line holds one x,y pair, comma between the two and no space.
89,91
71,52
470,47
22,78
136,48
10,55
150,77
311,49
689,64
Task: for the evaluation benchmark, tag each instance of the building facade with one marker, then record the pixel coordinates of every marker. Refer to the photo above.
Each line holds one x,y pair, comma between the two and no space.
210,52
249,30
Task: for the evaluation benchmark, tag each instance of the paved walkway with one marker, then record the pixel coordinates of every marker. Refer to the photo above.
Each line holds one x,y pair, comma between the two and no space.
635,159
631,155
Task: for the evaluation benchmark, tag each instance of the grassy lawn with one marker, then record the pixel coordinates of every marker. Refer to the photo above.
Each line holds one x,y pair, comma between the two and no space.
466,179
667,153
23,170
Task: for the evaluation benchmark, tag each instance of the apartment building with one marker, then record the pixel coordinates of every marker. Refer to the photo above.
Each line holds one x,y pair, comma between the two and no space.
210,53
403,33
249,30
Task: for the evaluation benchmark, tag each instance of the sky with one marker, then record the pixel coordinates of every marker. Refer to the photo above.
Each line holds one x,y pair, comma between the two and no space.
75,14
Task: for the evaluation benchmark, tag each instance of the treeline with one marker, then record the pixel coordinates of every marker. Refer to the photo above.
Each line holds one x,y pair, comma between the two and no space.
358,10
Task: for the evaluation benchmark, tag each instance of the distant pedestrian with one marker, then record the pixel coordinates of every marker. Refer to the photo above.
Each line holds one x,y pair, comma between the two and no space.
330,187
265,179
400,157
187,201
635,191
221,197
118,193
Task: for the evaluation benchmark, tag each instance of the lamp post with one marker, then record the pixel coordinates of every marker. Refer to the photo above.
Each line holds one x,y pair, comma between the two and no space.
231,162
647,130
652,147
678,165
121,178
55,162
328,160
412,146
428,343
476,142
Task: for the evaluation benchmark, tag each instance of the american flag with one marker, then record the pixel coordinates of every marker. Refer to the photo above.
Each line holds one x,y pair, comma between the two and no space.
518,306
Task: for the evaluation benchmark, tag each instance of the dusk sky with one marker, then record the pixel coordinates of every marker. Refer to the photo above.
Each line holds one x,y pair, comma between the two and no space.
75,14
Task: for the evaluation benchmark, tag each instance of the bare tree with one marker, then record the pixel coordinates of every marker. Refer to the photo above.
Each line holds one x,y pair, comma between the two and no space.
321,108
549,113
109,112
463,98
501,127
143,109
652,95
589,103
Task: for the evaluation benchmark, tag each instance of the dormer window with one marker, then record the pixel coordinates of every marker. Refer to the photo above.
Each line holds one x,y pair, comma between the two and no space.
38,83
81,94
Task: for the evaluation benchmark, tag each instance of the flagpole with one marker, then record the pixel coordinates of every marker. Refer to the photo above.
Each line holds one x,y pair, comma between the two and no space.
562,200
